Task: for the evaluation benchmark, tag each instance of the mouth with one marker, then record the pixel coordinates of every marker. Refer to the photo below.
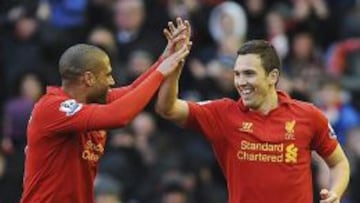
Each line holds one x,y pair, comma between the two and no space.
246,92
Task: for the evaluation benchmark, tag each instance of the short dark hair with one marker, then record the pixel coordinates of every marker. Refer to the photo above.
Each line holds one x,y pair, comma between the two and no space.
79,58
269,58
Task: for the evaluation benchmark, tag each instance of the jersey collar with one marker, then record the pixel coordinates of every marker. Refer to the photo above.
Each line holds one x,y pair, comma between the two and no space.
54,90
283,97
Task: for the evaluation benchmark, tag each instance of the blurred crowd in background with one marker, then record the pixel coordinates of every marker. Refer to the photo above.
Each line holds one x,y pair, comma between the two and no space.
152,160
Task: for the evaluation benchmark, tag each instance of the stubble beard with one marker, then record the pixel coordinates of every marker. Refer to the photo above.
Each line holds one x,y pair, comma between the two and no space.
100,98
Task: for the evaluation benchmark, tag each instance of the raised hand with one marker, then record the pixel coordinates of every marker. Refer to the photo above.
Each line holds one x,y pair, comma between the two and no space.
168,65
177,36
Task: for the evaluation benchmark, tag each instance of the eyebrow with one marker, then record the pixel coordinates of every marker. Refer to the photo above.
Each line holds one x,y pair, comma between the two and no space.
244,71
249,71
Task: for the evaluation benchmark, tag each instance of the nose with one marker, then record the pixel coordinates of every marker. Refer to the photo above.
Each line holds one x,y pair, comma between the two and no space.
111,81
240,80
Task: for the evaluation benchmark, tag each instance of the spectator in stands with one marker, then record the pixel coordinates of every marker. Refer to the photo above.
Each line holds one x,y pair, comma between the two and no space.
21,49
16,116
130,31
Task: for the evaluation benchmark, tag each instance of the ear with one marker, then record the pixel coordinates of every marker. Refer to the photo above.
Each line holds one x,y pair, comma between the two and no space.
89,78
274,76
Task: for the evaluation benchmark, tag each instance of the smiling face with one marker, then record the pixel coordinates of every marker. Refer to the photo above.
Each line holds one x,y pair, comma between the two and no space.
87,69
252,82
256,73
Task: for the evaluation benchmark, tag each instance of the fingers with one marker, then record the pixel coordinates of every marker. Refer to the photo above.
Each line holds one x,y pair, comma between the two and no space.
177,36
178,39
188,27
178,29
181,53
174,61
171,27
324,193
179,22
327,196
167,34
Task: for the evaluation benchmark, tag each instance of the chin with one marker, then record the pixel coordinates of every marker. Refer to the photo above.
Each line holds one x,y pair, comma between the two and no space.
250,104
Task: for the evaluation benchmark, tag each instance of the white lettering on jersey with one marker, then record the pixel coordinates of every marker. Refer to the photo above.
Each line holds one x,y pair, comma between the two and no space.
332,134
70,107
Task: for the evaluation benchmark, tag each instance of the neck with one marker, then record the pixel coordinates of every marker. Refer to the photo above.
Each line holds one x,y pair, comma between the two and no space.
74,91
270,103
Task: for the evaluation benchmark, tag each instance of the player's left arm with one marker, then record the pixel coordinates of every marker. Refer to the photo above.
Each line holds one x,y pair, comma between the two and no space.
327,146
339,176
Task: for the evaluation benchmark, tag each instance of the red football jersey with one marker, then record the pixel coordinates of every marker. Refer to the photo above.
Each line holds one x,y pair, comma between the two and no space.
65,143
264,158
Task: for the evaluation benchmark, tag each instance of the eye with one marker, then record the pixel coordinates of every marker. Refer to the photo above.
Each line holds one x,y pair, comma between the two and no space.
249,73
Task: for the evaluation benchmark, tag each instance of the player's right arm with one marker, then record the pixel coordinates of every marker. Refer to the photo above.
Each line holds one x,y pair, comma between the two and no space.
202,116
168,105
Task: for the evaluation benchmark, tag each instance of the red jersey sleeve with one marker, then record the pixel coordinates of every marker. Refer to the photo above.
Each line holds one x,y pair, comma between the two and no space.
116,93
204,117
324,140
66,115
